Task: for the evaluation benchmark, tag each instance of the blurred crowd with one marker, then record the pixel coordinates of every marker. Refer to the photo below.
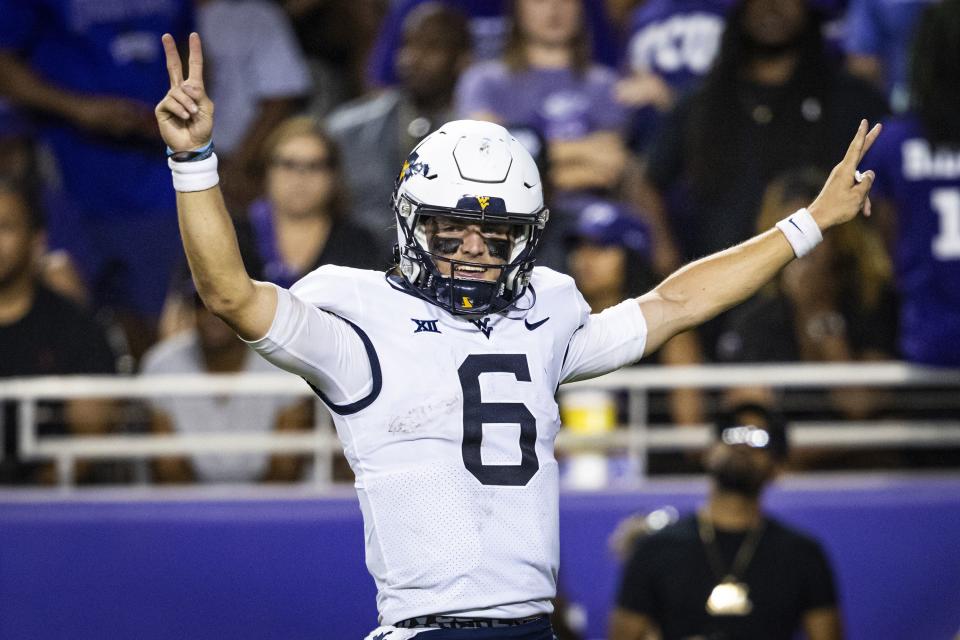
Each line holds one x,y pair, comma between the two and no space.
665,130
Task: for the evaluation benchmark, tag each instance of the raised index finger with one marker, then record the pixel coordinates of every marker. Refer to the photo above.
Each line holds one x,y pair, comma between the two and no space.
195,61
174,69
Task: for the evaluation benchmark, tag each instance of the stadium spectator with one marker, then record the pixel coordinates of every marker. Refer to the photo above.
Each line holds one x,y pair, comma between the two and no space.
769,104
304,219
877,42
547,90
336,36
670,47
730,570
258,77
18,164
838,304
376,133
212,347
92,71
609,258
490,25
676,41
43,333
301,222
16,142
712,160
421,416
547,81
608,252
919,194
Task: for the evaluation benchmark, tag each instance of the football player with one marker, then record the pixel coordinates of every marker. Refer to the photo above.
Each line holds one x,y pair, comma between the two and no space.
441,373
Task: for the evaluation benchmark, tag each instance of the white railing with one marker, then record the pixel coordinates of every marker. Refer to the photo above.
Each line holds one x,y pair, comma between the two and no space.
637,439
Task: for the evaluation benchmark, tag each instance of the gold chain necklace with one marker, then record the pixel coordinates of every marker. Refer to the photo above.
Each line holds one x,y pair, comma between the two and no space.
730,597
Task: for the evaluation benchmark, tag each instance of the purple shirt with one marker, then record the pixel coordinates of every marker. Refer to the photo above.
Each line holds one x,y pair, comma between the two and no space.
558,103
676,39
923,183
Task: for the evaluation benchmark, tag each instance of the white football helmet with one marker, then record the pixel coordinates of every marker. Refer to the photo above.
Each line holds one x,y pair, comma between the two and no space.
473,171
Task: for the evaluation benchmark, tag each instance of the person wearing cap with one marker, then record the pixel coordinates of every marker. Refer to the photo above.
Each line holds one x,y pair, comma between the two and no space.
609,257
608,251
730,571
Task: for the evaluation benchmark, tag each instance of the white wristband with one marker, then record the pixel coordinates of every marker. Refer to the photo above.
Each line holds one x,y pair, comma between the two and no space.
801,231
194,176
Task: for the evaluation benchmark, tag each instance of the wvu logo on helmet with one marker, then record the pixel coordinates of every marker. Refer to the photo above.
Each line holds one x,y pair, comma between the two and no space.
484,204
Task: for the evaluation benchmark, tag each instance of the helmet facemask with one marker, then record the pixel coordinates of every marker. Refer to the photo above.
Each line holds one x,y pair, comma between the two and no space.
420,262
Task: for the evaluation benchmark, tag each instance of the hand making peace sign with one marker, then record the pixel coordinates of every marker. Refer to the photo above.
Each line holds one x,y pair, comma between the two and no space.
185,114
846,191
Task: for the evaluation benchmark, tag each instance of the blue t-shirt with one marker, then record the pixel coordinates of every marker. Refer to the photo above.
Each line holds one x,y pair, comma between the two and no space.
923,183
489,27
104,48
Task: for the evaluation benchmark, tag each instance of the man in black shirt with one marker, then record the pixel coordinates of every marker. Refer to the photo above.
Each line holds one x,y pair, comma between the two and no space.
41,333
730,572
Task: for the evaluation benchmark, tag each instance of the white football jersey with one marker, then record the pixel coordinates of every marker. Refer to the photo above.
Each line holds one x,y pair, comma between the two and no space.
452,439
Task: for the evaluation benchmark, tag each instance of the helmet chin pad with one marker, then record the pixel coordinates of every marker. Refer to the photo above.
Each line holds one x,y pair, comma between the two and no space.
466,297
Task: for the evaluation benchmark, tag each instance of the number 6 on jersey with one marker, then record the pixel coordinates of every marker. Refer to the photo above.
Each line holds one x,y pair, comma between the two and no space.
476,413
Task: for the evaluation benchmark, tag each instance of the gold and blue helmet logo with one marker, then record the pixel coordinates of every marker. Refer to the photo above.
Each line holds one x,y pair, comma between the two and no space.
411,167
483,204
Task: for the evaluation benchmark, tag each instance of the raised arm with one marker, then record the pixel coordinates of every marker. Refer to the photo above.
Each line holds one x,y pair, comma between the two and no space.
185,116
705,288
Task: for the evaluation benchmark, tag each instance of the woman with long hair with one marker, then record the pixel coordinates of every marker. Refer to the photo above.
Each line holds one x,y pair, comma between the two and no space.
836,305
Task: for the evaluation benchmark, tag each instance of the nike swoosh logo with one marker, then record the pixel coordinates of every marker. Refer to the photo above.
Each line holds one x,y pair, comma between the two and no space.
535,325
790,220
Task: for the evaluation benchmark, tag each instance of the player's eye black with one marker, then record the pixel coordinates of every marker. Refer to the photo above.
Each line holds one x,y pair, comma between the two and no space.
497,247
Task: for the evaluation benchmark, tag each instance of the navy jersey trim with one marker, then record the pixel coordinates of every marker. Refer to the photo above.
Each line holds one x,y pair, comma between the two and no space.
362,403
566,352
